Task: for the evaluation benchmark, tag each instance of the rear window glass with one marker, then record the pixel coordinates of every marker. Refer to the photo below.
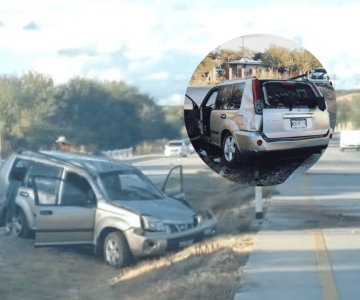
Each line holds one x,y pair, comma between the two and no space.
287,95
224,97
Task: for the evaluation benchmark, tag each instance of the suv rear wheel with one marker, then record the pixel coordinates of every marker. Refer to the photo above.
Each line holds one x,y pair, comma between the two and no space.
116,250
229,150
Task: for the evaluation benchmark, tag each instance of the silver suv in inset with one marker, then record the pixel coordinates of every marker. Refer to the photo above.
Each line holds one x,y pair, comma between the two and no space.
69,199
254,116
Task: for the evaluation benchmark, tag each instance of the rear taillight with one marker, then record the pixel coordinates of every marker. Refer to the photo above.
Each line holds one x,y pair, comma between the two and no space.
257,96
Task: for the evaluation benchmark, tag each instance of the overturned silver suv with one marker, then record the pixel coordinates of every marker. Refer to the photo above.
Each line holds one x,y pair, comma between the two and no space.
68,199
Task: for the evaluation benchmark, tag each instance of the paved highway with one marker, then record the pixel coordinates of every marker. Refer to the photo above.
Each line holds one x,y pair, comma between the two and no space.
308,246
309,243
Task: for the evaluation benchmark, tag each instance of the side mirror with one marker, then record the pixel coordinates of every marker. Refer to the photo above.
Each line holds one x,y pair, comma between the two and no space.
174,183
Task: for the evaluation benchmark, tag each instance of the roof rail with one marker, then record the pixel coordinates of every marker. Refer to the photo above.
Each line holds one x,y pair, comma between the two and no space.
20,150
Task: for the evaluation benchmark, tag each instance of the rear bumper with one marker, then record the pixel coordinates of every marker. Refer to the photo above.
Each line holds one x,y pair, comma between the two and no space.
151,243
247,143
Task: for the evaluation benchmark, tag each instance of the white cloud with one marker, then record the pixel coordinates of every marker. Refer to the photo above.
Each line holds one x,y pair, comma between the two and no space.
143,32
163,75
61,68
110,74
174,99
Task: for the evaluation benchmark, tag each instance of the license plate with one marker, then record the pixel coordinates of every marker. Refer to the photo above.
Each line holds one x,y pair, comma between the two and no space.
186,243
298,123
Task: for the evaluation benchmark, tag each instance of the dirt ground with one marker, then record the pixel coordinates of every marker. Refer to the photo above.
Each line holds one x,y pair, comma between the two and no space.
211,269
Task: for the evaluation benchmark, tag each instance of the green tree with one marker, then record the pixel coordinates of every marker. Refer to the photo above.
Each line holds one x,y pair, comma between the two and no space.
206,65
277,58
304,61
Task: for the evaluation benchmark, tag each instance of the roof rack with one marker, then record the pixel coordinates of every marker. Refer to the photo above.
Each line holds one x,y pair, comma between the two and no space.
20,150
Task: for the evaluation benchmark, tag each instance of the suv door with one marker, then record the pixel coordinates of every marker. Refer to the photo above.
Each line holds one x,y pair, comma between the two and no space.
219,114
191,117
65,209
174,183
293,110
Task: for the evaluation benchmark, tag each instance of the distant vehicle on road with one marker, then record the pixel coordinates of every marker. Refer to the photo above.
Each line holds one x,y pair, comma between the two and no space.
320,77
176,148
349,139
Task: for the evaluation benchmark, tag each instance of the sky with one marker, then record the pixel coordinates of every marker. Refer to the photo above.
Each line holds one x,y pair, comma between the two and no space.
156,45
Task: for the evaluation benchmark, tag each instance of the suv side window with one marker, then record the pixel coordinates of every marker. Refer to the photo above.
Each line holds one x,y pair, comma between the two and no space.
224,97
211,101
19,170
45,181
38,169
46,190
237,94
77,191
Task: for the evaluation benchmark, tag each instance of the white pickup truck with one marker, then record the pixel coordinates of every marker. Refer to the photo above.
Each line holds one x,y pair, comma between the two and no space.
349,139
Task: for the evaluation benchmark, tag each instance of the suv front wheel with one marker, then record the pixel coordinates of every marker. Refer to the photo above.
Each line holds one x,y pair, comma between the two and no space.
229,150
116,249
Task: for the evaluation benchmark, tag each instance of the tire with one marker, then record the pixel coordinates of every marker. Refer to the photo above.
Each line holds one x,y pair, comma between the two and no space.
229,150
116,250
20,224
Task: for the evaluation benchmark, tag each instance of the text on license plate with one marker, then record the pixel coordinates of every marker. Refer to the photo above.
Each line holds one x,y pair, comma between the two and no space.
186,243
298,123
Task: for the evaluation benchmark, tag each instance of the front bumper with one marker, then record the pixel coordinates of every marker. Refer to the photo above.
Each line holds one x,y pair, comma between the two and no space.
247,143
156,243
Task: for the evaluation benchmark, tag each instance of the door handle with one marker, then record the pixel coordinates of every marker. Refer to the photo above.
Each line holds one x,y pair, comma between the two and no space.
24,194
46,212
223,116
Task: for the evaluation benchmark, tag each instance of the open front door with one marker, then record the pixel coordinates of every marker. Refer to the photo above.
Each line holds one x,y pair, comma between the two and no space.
174,183
191,117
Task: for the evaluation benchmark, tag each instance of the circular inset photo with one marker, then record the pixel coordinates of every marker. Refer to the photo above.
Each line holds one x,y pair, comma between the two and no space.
259,108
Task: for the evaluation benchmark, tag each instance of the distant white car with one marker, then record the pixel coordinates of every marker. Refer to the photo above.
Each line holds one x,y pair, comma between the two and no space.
176,148
350,139
320,77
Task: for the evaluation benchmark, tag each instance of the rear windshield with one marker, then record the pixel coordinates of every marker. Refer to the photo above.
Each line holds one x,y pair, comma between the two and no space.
289,95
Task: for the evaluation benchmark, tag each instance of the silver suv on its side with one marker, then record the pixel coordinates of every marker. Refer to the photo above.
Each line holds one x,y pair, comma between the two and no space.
255,116
77,199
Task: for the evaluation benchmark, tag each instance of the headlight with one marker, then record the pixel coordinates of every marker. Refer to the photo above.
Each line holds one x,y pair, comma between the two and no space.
203,216
152,224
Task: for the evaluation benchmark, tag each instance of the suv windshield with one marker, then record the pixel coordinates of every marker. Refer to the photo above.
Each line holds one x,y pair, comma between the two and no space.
289,95
127,186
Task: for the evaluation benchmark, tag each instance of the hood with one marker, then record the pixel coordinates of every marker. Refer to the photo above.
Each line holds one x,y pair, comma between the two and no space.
166,209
